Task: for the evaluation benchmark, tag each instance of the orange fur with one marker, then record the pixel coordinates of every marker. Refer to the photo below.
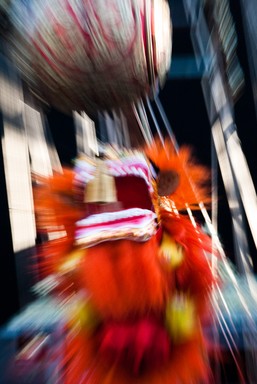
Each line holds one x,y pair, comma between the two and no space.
124,277
192,187
56,209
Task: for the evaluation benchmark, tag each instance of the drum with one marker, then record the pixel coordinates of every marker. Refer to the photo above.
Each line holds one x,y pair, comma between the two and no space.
91,55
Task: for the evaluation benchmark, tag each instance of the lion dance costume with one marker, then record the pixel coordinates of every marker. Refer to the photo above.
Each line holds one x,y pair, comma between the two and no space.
130,266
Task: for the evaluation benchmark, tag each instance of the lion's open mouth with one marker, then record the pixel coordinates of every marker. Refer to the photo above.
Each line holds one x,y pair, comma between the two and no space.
134,224
131,216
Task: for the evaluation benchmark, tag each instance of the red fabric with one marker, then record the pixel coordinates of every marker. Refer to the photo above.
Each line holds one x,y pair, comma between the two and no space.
137,345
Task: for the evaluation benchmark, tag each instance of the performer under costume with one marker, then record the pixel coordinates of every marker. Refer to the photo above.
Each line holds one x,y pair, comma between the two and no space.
132,267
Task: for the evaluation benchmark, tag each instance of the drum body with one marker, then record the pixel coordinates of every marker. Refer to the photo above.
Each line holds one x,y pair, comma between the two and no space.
91,54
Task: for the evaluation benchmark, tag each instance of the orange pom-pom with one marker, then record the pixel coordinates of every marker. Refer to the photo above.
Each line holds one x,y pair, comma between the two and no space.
191,182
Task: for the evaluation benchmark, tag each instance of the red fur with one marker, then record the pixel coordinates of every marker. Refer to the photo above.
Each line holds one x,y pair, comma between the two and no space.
187,363
194,275
138,345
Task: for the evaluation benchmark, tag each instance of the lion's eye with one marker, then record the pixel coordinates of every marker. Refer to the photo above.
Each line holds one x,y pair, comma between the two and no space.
167,182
